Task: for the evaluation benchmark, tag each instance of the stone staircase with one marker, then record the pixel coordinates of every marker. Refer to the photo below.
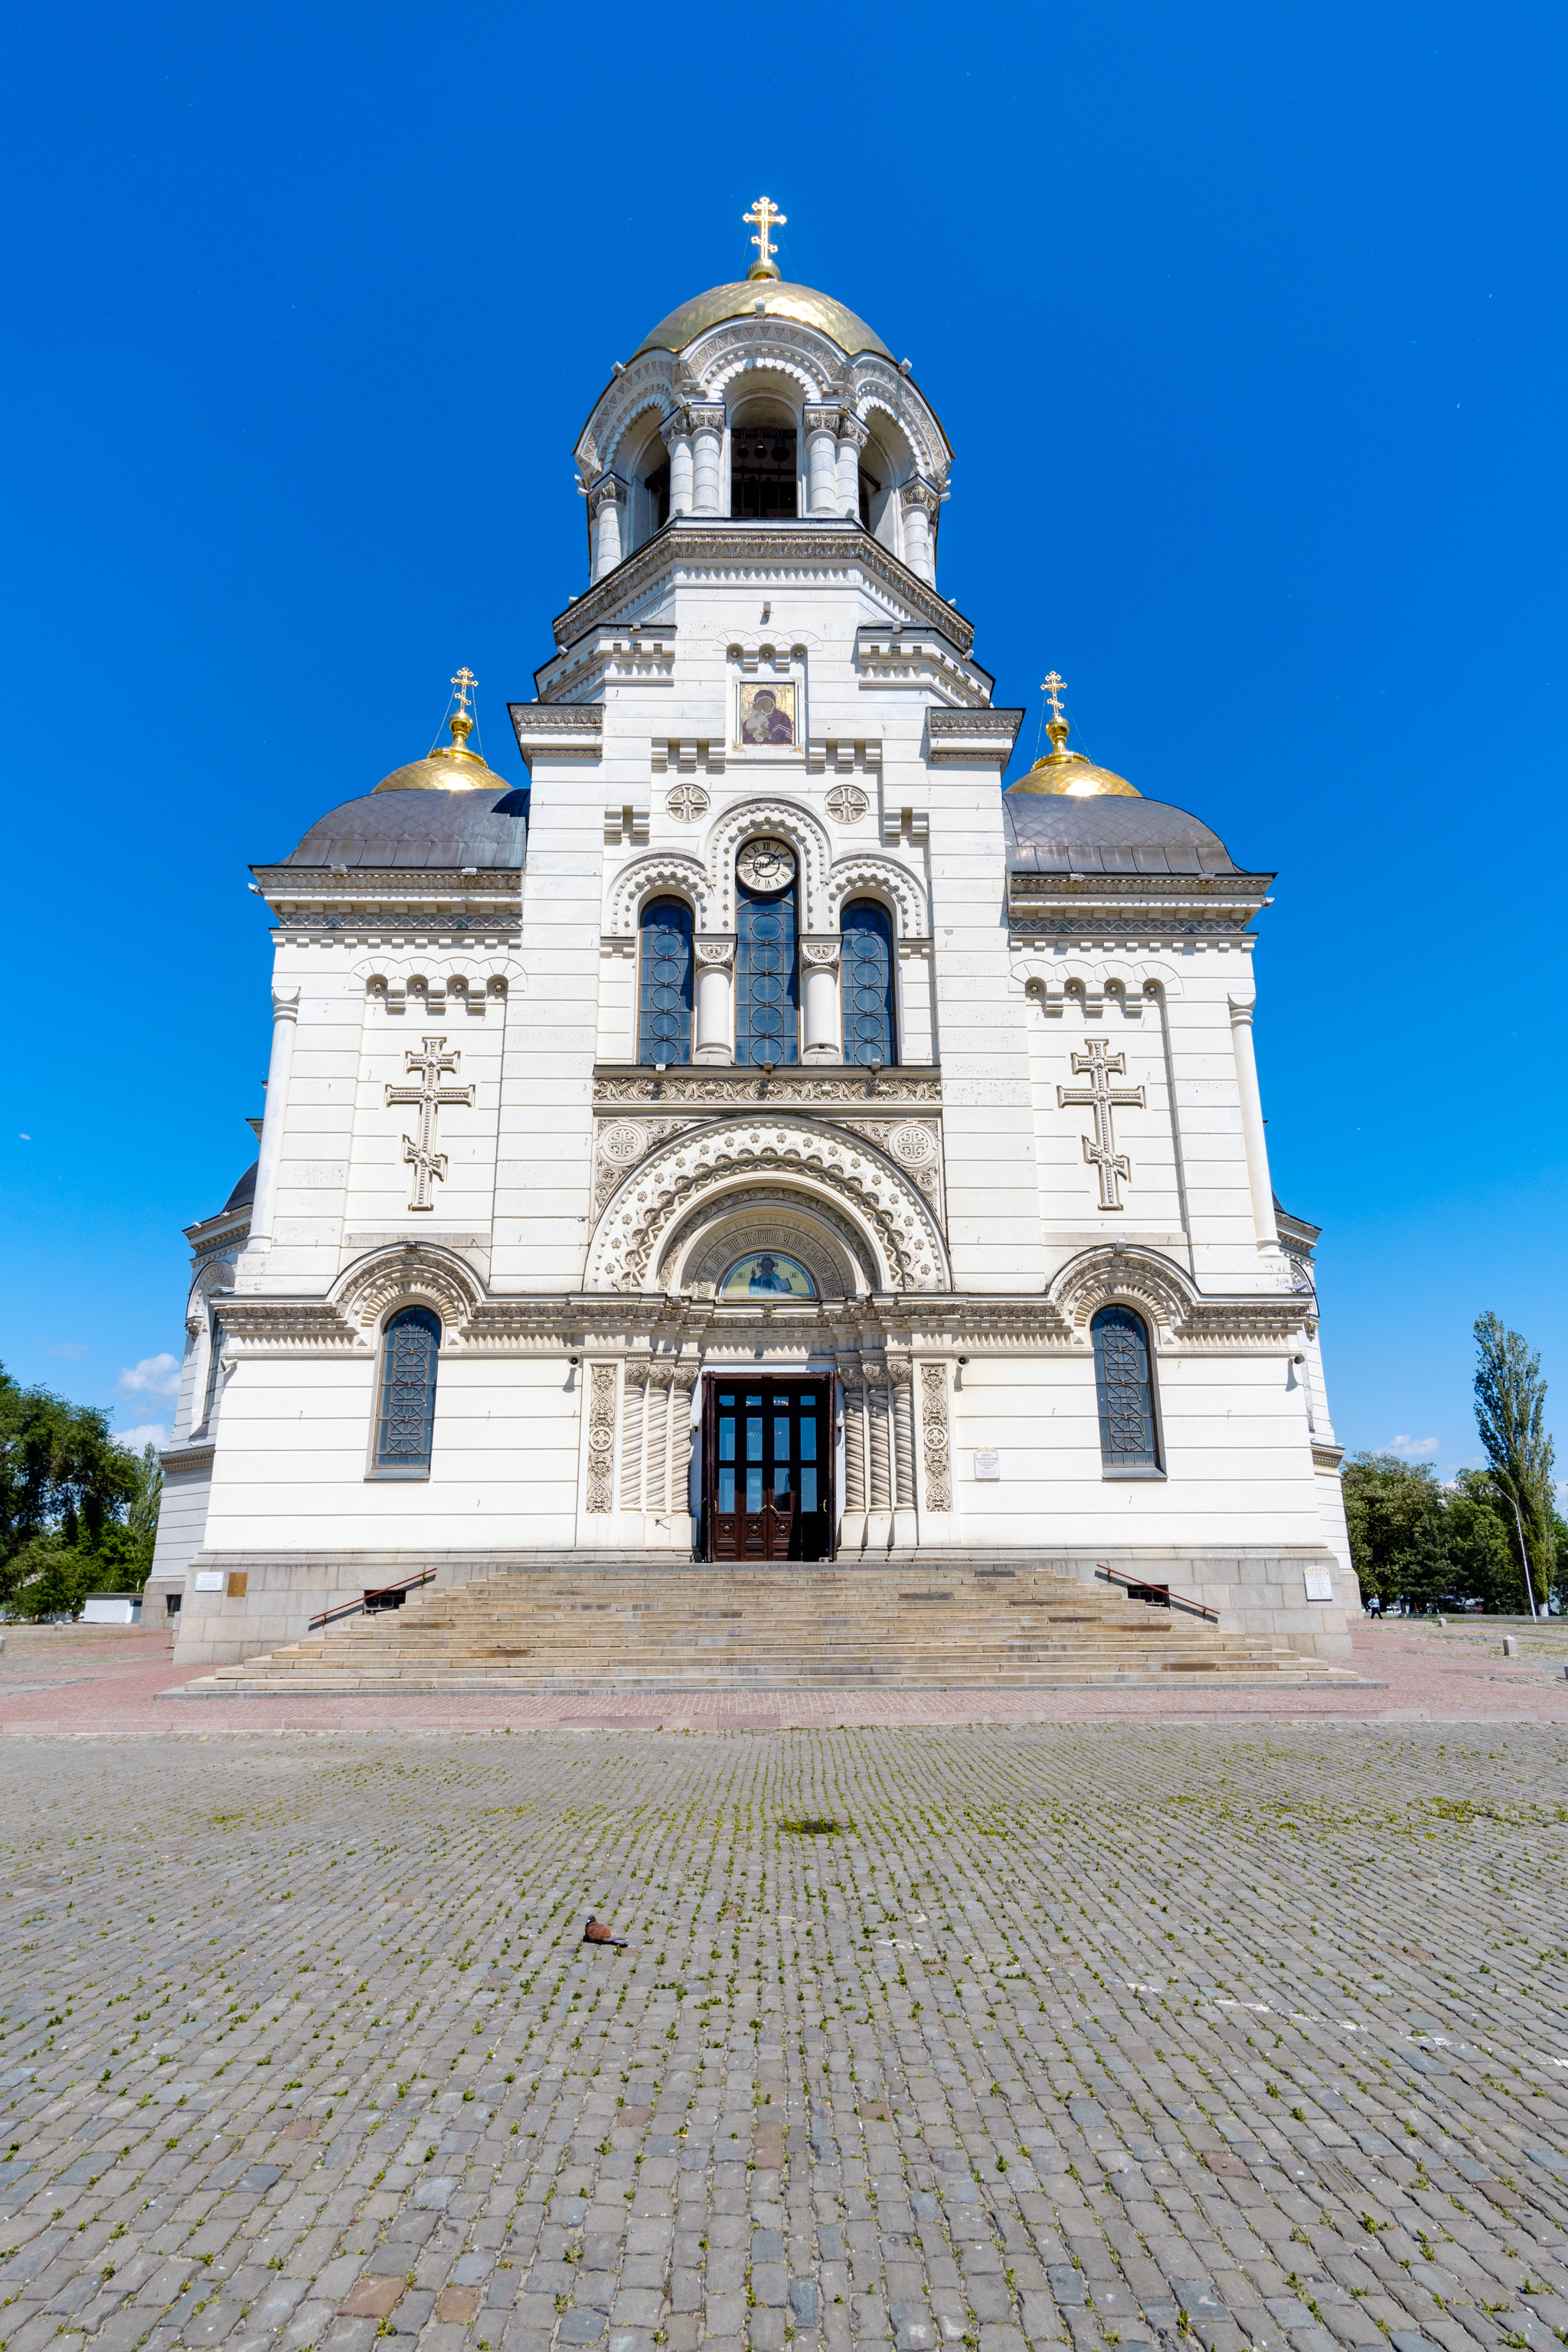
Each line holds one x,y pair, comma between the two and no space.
631,1628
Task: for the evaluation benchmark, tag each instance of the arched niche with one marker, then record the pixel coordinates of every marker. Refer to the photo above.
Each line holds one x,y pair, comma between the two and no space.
702,1246
764,459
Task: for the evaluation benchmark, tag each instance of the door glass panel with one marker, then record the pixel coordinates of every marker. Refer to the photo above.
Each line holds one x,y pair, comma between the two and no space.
726,1495
727,1437
808,1489
808,1437
754,1439
781,1436
753,1490
780,1483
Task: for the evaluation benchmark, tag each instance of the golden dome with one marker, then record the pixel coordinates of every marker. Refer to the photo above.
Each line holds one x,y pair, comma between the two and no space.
1070,773
802,303
450,767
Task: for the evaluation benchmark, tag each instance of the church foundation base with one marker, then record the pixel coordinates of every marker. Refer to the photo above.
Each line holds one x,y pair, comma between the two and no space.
258,1603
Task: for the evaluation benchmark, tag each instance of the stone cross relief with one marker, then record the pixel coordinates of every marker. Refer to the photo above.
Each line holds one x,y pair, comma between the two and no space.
1102,1099
432,1096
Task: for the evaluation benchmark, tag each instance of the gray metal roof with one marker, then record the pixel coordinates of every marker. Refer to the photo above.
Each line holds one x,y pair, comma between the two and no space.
1051,833
244,1193
420,829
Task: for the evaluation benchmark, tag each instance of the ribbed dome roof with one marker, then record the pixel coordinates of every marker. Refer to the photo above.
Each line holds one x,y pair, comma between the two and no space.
802,303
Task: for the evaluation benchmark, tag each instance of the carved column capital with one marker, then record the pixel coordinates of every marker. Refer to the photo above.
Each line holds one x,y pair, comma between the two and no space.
852,430
822,948
920,493
707,416
822,416
609,489
676,427
716,949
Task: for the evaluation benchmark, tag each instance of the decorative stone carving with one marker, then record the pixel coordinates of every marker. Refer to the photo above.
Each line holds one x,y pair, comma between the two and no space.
419,1151
885,878
609,490
741,1089
790,822
791,1152
622,1142
716,952
645,877
746,1212
687,803
601,1436
1102,1099
912,1146
847,805
919,494
766,864
934,1441
412,1274
823,953
611,1166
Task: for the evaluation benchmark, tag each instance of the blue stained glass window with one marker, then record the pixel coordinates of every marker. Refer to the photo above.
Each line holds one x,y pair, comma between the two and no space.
405,1419
664,1013
767,985
868,983
1124,1390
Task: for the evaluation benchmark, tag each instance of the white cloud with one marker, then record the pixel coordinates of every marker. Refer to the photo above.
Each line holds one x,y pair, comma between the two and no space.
1413,1445
153,1376
147,1432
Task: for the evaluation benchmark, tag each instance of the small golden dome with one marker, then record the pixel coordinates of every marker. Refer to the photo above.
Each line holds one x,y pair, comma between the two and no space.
1070,773
450,767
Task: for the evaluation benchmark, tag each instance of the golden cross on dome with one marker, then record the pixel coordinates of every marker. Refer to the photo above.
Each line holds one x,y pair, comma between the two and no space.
1053,687
764,216
463,681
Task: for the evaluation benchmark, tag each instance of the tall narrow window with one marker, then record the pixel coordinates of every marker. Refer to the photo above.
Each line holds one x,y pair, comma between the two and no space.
214,1369
1126,1393
868,983
664,1010
405,1418
767,987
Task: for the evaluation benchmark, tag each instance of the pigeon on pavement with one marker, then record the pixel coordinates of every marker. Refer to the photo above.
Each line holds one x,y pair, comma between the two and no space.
596,1932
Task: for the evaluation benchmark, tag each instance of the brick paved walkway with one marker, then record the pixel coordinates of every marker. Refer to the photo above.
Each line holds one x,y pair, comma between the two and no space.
1077,2035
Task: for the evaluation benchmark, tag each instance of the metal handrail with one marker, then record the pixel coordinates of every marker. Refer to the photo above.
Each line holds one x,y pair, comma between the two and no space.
347,1608
1138,1584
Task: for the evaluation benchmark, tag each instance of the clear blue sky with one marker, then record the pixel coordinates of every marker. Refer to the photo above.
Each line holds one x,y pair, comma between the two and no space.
1247,326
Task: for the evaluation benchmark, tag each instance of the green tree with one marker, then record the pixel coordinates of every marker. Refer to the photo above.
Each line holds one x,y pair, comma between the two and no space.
1481,1546
1395,1512
1510,1413
65,1489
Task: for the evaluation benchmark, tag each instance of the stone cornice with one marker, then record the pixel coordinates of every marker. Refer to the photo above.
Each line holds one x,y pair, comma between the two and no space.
921,661
188,1461
774,551
972,737
345,896
558,730
631,1085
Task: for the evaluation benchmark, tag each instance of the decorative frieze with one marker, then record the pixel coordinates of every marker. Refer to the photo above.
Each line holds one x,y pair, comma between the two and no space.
601,1437
740,1090
934,1441
558,730
971,738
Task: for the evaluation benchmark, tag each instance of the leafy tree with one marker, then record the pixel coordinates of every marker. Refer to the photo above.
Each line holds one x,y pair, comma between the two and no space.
1481,1546
1394,1511
65,1490
1510,1413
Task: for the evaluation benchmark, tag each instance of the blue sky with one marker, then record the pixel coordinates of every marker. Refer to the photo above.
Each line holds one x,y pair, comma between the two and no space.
1247,326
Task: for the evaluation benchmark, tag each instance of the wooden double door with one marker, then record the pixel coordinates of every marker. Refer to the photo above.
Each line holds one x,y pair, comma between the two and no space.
767,1468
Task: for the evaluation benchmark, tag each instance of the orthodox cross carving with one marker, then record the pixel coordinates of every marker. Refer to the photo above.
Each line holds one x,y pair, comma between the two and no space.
764,216
464,681
431,1095
1102,1099
1053,687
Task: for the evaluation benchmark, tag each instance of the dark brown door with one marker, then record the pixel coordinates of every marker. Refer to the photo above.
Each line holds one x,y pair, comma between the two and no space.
767,1469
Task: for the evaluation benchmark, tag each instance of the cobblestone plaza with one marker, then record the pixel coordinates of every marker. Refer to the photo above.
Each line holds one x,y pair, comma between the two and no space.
1087,2034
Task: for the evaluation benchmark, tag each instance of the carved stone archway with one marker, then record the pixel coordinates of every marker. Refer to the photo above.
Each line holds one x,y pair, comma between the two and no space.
410,1275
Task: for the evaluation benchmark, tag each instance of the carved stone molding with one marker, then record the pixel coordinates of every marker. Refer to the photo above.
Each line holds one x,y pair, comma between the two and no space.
601,1437
882,877
645,877
934,1441
409,1275
823,953
715,950
558,730
793,1152
971,736
920,493
620,1144
832,1246
851,429
744,1090
676,427
608,491
707,416
1125,1274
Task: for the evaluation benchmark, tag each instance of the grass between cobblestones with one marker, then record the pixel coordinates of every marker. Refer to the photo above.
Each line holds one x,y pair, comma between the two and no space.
1094,2035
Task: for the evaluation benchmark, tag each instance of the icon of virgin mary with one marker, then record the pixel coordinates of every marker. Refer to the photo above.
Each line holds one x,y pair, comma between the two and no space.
763,720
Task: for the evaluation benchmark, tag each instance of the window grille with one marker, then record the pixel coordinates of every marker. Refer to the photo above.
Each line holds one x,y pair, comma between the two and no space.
664,1005
868,983
406,1420
767,983
1125,1391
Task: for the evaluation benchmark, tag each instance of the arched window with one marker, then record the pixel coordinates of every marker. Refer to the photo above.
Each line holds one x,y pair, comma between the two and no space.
215,1367
868,983
664,1001
767,985
406,1416
1125,1391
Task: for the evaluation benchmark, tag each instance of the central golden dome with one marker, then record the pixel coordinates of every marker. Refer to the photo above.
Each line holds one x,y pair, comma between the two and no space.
779,300
1070,774
449,768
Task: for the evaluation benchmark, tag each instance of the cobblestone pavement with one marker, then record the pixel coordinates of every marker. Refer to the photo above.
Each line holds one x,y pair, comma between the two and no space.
55,1680
1077,2036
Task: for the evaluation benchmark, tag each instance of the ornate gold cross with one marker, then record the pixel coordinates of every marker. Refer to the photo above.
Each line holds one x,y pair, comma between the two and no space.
1053,689
1097,1064
765,216
431,1095
463,681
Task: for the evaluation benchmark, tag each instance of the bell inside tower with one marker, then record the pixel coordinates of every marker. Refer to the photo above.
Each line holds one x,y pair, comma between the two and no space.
762,473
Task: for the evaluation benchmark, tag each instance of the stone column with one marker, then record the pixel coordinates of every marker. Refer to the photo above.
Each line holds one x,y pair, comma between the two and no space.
686,1378
852,439
285,1022
852,1530
936,1443
820,968
880,1498
657,1444
904,1524
676,431
1252,1129
707,442
606,503
919,504
715,1018
821,459
633,1400
600,1496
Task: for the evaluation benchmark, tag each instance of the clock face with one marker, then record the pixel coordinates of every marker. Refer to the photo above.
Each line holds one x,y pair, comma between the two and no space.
766,864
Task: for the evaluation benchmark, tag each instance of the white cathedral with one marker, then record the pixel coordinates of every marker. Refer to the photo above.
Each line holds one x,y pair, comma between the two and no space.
762,1139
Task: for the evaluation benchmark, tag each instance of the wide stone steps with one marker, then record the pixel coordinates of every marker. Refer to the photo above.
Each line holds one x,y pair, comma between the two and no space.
633,1628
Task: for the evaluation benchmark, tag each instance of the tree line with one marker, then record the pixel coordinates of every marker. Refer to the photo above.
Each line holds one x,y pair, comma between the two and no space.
78,1512
1491,1536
